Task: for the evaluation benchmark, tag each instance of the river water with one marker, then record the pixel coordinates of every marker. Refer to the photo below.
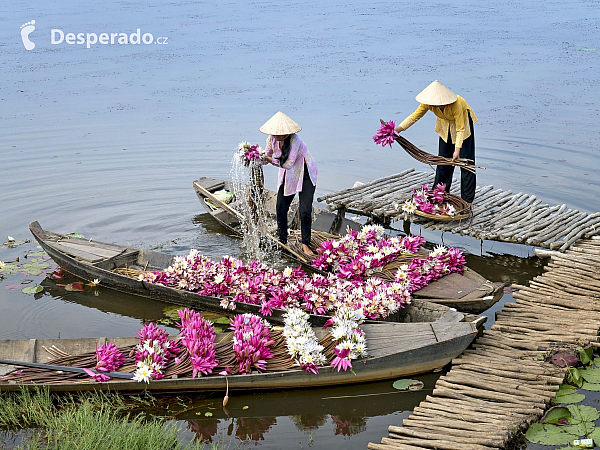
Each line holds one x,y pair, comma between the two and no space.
106,141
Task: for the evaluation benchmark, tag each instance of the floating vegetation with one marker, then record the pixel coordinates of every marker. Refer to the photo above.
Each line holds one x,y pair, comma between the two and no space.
407,384
32,289
563,425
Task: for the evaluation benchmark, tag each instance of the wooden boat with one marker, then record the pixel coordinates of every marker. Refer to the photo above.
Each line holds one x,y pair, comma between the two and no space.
395,350
470,293
97,260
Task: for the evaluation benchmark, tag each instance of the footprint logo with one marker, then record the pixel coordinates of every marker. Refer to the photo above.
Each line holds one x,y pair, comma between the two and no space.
26,30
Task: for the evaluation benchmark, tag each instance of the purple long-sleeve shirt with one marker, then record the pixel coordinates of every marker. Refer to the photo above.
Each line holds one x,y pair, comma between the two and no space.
293,168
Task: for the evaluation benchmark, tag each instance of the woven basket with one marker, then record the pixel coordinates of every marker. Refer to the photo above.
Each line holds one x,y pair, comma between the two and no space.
463,210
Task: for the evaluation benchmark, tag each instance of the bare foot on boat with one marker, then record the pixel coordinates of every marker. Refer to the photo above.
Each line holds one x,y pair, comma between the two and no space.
307,251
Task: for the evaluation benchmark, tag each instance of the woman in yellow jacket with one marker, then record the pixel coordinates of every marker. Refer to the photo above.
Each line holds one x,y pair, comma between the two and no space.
454,124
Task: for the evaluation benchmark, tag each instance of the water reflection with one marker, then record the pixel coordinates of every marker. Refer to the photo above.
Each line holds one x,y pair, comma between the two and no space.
342,411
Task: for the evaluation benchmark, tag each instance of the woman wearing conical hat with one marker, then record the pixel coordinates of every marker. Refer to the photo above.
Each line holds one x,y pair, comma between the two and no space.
297,174
454,124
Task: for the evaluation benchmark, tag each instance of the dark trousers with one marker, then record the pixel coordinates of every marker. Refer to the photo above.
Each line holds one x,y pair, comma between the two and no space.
443,174
306,196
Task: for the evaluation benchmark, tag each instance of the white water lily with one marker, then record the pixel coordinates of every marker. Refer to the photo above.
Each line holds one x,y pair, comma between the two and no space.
10,239
143,373
2,264
409,206
219,278
439,250
96,282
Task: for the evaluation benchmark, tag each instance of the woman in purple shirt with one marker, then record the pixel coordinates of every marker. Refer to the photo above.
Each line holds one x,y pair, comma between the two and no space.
297,174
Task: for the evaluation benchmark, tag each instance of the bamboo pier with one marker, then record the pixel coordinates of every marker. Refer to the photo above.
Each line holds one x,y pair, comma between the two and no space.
497,214
504,383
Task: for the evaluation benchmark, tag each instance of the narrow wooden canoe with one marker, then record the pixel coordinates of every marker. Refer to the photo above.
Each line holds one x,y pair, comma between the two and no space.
395,350
470,293
97,260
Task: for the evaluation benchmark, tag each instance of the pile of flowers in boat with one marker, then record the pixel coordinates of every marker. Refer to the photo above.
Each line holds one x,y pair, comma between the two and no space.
360,280
258,284
251,346
366,254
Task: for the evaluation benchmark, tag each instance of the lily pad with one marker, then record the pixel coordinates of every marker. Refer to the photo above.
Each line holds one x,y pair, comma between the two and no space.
557,415
564,359
549,435
591,375
585,355
591,386
76,235
208,414
11,244
222,320
32,289
574,376
77,287
582,419
567,394
13,287
408,384
595,435
9,269
42,253
582,413
35,268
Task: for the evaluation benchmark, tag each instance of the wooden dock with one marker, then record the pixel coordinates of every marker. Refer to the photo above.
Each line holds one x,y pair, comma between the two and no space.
496,389
497,215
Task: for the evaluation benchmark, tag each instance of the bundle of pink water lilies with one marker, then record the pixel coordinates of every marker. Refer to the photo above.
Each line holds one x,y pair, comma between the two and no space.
252,345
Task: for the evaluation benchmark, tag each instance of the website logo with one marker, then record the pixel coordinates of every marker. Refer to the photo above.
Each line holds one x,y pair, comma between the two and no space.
26,30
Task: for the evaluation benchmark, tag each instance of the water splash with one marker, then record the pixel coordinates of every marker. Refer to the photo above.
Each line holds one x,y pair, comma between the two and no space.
248,186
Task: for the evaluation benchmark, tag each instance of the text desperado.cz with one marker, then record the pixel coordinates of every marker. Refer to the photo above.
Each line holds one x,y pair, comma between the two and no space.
59,36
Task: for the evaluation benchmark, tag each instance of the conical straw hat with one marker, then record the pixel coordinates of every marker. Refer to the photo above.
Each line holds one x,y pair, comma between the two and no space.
436,94
280,125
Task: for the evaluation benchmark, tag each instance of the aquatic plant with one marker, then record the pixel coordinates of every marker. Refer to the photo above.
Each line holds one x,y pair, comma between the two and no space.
249,153
251,342
198,337
301,341
153,353
386,134
428,201
349,338
109,358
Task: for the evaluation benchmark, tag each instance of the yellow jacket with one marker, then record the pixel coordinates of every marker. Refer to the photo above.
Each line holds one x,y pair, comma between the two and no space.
454,116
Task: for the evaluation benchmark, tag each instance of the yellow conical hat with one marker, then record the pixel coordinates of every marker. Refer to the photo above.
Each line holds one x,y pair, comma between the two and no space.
436,94
280,125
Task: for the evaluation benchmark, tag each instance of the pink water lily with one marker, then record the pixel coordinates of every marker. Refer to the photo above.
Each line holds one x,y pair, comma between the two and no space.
386,134
109,358
198,337
341,360
251,342
99,377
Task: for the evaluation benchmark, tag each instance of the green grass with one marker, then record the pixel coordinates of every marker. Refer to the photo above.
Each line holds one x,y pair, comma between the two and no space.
92,421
